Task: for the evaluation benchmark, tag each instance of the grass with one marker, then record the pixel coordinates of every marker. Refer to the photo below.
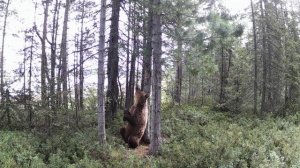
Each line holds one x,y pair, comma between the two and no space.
192,136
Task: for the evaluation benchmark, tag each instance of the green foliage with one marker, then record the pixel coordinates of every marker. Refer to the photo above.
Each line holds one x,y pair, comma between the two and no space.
192,136
238,96
204,138
18,150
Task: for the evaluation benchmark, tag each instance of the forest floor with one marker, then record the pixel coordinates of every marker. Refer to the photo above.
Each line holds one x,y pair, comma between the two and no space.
193,136
142,150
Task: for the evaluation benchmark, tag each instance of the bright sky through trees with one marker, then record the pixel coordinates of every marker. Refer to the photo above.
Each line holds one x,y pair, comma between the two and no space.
25,17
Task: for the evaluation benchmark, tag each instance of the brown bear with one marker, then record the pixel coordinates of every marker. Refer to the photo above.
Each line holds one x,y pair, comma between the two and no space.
133,131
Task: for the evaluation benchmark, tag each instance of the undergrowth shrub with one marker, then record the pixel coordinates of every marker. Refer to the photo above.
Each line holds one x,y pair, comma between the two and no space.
192,136
18,149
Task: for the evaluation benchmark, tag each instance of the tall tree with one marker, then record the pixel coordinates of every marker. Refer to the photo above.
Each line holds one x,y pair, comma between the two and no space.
43,40
147,58
156,80
53,56
113,61
128,54
81,68
132,74
64,57
2,50
264,87
224,34
26,96
255,57
178,77
75,73
101,76
181,13
44,56
30,110
146,72
292,52
130,67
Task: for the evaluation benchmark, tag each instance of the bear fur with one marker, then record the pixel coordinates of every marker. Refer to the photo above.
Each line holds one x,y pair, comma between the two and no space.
137,117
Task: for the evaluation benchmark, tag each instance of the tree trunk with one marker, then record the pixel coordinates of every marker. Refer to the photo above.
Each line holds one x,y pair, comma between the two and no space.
131,82
127,91
24,73
44,58
44,67
2,51
190,92
64,57
146,72
30,111
70,97
202,90
269,104
264,87
7,107
255,58
113,62
292,75
293,91
81,69
58,89
101,76
121,93
222,77
156,81
270,85
53,58
178,78
76,95
137,76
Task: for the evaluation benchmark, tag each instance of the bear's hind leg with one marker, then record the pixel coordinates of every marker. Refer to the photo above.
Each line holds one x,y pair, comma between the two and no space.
146,139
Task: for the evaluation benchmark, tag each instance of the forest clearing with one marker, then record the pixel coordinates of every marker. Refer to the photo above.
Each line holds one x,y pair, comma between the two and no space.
149,83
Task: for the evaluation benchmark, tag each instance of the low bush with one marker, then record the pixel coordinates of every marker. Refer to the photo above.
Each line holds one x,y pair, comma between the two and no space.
192,137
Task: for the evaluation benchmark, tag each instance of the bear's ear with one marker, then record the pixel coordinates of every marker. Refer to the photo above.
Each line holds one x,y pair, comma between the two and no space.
147,95
137,88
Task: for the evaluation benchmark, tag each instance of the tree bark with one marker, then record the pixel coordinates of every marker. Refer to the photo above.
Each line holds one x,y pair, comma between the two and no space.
53,58
178,78
255,58
146,72
264,87
127,91
64,57
222,77
81,69
190,90
7,107
2,51
156,80
30,111
202,90
101,76
58,89
76,95
131,81
44,58
113,62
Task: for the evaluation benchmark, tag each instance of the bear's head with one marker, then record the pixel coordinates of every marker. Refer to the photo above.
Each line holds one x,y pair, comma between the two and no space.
140,97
